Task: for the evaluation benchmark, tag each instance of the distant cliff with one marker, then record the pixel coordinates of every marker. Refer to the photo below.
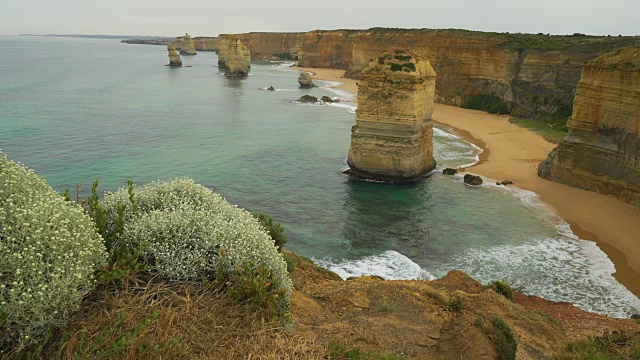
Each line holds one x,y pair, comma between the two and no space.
602,151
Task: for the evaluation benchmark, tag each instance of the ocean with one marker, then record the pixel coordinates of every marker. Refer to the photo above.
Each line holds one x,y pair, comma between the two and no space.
76,110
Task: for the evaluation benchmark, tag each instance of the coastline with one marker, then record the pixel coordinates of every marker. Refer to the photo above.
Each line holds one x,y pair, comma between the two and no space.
513,153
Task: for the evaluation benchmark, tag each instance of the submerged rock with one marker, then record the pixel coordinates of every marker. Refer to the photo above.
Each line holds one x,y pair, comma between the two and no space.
174,58
327,99
187,47
271,88
393,137
308,99
305,80
450,171
472,180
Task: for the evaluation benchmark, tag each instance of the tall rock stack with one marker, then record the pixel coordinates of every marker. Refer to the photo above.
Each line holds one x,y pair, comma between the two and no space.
602,150
174,58
187,48
393,137
233,56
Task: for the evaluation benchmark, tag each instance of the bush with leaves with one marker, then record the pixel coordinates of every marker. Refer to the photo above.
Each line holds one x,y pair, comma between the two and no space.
273,228
49,252
502,288
187,231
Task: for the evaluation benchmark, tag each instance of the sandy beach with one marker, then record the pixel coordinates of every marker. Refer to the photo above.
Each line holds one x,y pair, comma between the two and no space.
513,153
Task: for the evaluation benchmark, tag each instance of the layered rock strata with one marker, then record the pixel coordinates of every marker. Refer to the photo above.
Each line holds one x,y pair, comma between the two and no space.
393,137
174,58
602,150
234,56
187,47
305,80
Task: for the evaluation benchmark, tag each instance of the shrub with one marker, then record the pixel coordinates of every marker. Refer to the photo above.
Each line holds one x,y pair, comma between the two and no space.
410,65
501,288
454,304
501,337
273,228
395,67
187,231
490,103
49,251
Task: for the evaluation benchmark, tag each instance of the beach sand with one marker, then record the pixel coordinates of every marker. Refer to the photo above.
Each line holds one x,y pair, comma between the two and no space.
513,153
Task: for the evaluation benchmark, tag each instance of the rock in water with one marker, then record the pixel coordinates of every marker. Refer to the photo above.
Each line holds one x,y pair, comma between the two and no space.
308,99
234,56
393,136
450,171
305,80
326,99
472,179
271,88
174,58
602,150
187,47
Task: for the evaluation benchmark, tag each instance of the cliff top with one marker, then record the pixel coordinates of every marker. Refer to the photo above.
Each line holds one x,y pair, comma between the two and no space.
402,62
626,58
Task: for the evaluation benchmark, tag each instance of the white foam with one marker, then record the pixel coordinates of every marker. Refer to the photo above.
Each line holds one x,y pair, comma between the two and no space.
451,150
267,89
390,265
350,107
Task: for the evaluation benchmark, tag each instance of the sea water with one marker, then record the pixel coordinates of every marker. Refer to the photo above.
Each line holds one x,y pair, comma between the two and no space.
76,110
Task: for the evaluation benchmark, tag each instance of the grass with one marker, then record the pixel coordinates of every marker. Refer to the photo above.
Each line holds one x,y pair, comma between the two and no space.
501,336
338,350
610,346
552,130
502,288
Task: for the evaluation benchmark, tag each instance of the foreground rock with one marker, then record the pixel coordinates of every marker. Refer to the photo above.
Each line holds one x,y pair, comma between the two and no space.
602,151
393,136
187,47
472,180
174,58
233,56
305,80
308,99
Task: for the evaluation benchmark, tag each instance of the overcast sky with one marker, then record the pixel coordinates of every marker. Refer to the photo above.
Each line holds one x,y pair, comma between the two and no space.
212,17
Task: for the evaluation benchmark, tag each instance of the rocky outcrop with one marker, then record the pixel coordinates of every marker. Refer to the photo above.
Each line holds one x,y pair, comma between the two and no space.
305,80
472,180
450,171
174,58
393,136
187,47
602,150
308,99
234,56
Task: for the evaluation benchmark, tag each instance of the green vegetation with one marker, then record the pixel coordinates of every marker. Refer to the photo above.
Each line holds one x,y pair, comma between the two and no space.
273,228
553,130
410,66
571,43
454,304
285,57
395,67
610,346
501,336
501,288
338,350
49,251
490,103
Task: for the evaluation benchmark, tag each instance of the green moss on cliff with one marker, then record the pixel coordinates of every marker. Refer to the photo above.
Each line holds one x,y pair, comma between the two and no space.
490,103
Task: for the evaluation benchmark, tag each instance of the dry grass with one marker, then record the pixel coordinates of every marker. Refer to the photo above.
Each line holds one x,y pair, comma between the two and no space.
152,319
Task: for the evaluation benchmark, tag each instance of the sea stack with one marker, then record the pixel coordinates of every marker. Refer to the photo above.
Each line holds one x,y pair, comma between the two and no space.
305,80
187,47
234,56
174,58
602,150
392,140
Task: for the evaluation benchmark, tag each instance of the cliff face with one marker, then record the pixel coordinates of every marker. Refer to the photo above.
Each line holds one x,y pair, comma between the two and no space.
602,151
393,136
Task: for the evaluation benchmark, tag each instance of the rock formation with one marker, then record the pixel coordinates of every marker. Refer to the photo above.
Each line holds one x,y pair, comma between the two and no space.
308,99
393,136
305,80
602,150
472,180
187,48
174,58
233,56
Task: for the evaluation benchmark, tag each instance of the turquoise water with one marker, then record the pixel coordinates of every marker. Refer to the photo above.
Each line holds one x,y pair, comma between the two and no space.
76,110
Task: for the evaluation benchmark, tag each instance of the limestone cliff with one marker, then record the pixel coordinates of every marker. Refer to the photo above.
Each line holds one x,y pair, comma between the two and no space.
602,151
174,58
234,56
187,47
393,136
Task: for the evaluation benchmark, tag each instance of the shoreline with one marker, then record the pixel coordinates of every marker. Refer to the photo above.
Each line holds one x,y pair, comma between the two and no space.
513,153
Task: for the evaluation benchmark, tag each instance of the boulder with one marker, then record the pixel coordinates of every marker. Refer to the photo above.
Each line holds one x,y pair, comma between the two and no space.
506,182
308,99
174,58
327,99
271,88
472,180
305,80
450,171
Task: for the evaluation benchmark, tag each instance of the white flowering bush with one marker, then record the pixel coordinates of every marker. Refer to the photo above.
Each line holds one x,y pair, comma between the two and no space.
49,252
187,231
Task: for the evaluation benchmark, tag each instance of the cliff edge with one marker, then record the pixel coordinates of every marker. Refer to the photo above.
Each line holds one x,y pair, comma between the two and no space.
602,151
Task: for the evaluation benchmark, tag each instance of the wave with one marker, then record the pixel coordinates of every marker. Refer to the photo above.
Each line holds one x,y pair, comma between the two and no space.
390,265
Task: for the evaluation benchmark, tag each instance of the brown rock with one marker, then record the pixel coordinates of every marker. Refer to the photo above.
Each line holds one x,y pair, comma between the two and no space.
602,150
393,136
174,58
506,182
271,88
327,99
187,47
472,180
233,56
308,99
305,80
450,171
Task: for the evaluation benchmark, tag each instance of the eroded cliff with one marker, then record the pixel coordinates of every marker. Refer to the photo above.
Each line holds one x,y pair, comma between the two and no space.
602,151
393,136
187,47
233,56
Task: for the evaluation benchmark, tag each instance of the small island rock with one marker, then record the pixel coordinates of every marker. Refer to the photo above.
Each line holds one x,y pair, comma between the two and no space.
305,80
472,180
450,171
327,99
308,99
271,88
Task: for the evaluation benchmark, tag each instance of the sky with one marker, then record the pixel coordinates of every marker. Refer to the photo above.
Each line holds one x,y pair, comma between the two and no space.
213,17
